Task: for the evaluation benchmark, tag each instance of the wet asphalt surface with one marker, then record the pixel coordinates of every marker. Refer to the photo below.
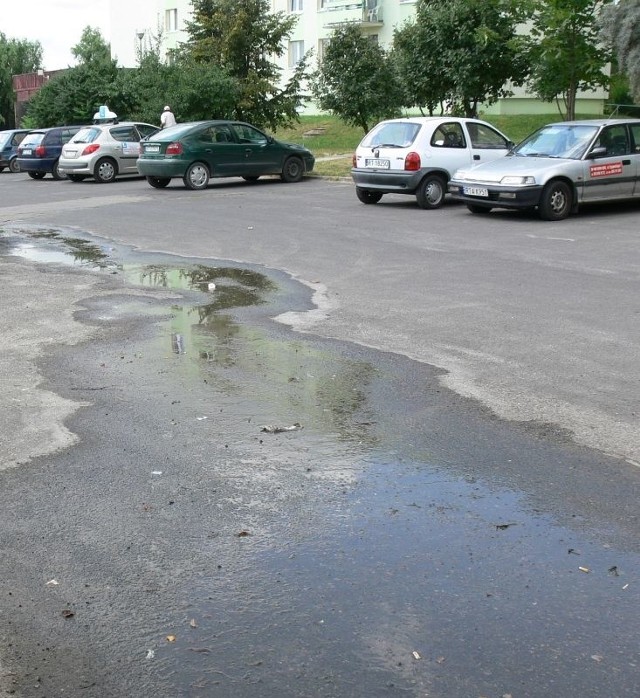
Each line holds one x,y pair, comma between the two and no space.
395,539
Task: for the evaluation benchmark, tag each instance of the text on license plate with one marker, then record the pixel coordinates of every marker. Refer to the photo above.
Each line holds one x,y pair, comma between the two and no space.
384,164
26,151
152,149
475,191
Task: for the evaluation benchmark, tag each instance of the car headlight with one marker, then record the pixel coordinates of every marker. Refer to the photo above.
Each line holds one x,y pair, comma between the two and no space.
518,180
459,174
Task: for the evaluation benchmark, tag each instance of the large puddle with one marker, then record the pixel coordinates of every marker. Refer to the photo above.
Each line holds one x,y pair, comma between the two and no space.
322,520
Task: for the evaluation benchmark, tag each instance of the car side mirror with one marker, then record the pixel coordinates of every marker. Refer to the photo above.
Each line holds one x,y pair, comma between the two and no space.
598,152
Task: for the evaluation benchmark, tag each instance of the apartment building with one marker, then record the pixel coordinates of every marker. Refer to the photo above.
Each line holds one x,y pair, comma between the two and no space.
134,24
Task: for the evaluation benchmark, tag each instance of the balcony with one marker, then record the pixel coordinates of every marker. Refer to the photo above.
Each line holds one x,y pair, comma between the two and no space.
337,12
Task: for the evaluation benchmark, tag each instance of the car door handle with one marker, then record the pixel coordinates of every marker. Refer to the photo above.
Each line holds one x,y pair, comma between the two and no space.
476,157
626,162
208,150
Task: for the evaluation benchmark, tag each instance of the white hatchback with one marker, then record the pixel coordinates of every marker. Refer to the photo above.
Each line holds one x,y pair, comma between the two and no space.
418,155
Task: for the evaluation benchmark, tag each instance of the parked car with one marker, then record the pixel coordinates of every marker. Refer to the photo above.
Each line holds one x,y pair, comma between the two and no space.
200,150
418,155
9,142
104,151
557,168
39,152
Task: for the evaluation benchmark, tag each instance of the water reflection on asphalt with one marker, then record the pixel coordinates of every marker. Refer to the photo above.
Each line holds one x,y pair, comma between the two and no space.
383,549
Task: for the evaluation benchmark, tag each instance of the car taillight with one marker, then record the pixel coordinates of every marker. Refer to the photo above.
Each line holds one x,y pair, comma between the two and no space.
91,149
174,148
412,162
354,161
40,151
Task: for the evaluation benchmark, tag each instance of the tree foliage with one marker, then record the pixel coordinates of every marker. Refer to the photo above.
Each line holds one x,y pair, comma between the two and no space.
356,79
567,52
16,57
461,53
621,29
242,38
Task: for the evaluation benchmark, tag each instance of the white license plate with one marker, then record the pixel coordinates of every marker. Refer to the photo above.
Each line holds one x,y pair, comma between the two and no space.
26,151
374,162
475,191
152,149
70,153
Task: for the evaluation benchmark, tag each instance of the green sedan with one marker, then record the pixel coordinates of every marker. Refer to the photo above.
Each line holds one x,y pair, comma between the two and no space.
200,150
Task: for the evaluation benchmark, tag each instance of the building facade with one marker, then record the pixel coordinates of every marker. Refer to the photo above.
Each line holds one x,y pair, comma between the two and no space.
316,21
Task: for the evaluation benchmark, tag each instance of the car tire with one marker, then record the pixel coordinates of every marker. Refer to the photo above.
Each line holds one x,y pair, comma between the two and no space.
35,175
292,171
197,176
480,210
430,192
105,171
158,182
366,196
14,165
1,169
55,172
251,179
556,201
76,178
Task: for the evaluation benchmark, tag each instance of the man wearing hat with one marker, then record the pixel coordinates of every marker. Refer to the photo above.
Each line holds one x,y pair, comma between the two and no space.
167,118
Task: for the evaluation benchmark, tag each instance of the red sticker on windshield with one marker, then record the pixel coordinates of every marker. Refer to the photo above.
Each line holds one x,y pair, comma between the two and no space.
611,168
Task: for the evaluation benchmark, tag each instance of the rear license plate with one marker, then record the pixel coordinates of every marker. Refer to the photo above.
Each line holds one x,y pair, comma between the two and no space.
26,151
475,191
374,162
152,149
70,153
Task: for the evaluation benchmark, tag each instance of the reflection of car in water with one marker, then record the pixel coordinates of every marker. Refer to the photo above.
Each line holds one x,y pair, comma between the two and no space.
200,150
557,168
104,151
9,142
417,156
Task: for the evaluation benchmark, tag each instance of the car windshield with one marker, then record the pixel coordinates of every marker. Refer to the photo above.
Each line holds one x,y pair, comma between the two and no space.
392,134
86,135
32,139
558,141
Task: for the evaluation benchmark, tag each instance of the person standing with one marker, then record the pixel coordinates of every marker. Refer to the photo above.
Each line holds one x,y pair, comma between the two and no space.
167,118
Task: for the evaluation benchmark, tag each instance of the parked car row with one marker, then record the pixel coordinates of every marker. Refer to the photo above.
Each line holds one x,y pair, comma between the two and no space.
553,171
194,152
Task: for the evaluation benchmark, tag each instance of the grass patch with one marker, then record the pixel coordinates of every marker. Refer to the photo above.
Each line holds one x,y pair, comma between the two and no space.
325,135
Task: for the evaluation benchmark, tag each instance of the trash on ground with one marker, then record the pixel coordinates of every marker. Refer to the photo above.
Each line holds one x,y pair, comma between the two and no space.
52,583
171,638
416,655
193,623
150,654
68,613
614,571
270,429
584,569
243,534
504,527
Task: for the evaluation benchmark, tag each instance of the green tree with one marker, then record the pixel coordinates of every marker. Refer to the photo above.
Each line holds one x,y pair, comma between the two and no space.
16,57
356,79
568,54
462,53
621,29
242,38
74,95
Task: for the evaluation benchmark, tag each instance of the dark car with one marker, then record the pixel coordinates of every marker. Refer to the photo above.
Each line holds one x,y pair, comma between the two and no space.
9,142
40,150
200,150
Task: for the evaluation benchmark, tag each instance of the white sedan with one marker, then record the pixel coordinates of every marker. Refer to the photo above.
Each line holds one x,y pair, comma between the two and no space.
557,168
417,156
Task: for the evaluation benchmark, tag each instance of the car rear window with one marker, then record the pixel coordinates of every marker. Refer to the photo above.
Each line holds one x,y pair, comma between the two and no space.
393,134
4,137
173,133
86,135
32,139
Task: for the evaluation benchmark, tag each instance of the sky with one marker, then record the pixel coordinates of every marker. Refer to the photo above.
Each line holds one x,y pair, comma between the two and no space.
56,24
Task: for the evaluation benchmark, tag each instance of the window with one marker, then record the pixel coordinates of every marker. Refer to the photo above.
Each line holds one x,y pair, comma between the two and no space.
248,134
448,136
171,20
322,47
296,53
126,134
483,137
295,5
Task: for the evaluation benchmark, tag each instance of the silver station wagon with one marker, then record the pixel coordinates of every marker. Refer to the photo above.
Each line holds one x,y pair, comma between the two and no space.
557,168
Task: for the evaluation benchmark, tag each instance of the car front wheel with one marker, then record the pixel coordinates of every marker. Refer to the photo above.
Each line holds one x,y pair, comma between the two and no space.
158,182
14,166
430,192
293,170
196,176
555,202
366,196
105,171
